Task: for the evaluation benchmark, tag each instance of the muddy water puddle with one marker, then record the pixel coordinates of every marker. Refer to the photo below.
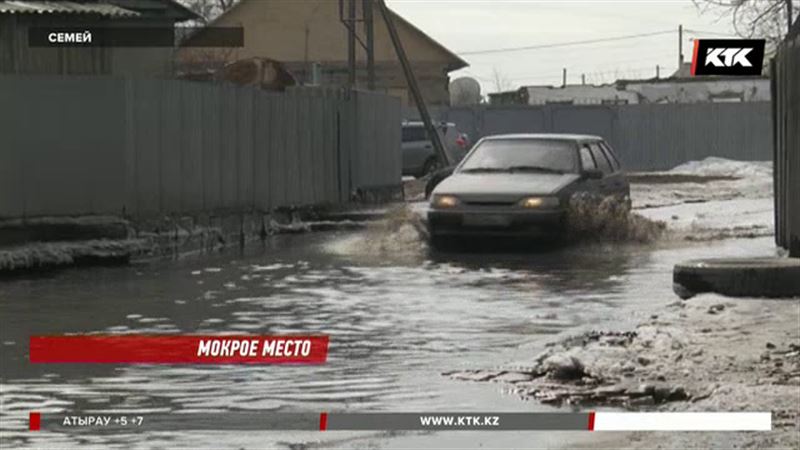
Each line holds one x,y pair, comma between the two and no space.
396,323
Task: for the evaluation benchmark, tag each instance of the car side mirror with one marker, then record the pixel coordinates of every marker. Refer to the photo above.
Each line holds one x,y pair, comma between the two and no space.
592,174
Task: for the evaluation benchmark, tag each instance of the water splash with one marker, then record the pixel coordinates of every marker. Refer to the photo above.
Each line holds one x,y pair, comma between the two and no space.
399,236
402,236
401,230
609,218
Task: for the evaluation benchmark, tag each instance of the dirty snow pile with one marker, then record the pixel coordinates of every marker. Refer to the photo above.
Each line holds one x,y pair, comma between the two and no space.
722,167
51,254
609,368
709,354
715,198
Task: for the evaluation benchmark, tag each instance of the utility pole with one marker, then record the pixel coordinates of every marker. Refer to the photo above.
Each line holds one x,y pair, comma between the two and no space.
351,43
680,46
305,56
658,71
583,78
412,83
563,77
369,29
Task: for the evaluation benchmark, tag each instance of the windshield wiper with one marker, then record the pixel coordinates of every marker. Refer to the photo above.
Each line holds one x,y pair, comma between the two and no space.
533,169
484,169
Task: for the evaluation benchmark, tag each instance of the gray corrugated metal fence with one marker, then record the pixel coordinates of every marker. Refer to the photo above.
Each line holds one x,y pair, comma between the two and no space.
786,120
368,164
647,137
99,145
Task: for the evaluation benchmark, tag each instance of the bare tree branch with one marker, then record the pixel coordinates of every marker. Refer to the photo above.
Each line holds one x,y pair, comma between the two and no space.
766,19
500,81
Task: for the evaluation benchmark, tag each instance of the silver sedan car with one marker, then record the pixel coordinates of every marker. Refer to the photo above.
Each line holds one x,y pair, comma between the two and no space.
520,185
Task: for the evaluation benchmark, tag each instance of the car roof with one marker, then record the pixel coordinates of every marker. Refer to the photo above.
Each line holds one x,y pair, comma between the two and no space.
552,136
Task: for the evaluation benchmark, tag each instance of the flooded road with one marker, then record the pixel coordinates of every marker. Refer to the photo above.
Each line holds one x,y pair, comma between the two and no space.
394,324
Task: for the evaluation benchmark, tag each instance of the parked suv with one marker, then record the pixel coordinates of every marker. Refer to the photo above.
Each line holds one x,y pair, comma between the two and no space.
419,157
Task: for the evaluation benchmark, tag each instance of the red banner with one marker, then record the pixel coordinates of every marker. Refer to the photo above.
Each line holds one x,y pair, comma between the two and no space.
34,421
171,349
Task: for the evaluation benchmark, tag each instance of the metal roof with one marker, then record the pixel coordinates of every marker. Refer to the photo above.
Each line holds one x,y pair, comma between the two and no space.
63,7
171,9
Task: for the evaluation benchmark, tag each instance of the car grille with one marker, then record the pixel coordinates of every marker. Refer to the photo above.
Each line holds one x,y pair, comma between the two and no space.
489,203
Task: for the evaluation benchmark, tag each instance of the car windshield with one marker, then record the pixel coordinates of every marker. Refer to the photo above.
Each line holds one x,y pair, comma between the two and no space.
522,155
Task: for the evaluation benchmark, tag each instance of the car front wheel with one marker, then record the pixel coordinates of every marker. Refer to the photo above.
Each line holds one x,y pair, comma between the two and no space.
431,166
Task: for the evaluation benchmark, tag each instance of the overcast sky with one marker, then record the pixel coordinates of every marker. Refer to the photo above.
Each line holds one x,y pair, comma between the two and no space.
474,25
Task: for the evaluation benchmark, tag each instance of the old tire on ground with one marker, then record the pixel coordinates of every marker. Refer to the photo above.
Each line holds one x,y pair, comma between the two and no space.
738,277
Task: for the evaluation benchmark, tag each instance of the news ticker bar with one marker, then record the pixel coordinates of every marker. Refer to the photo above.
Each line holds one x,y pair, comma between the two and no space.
454,421
71,36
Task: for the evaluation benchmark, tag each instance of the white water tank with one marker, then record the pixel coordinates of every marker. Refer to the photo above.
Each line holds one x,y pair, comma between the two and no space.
465,91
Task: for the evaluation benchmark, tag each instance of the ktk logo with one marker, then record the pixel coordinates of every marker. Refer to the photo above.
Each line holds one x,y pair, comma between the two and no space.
728,57
733,56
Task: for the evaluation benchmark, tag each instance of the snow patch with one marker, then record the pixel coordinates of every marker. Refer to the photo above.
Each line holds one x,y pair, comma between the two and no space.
51,254
723,167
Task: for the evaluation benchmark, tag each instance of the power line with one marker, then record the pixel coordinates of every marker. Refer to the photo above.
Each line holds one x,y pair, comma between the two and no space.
612,50
564,44
712,33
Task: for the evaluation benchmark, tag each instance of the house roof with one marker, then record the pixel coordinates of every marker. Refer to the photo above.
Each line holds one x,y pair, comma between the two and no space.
457,61
63,7
168,9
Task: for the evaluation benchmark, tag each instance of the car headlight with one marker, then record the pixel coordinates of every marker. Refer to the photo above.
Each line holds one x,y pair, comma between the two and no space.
444,201
539,202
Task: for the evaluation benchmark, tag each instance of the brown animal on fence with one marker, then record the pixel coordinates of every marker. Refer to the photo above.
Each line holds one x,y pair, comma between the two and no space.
265,73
